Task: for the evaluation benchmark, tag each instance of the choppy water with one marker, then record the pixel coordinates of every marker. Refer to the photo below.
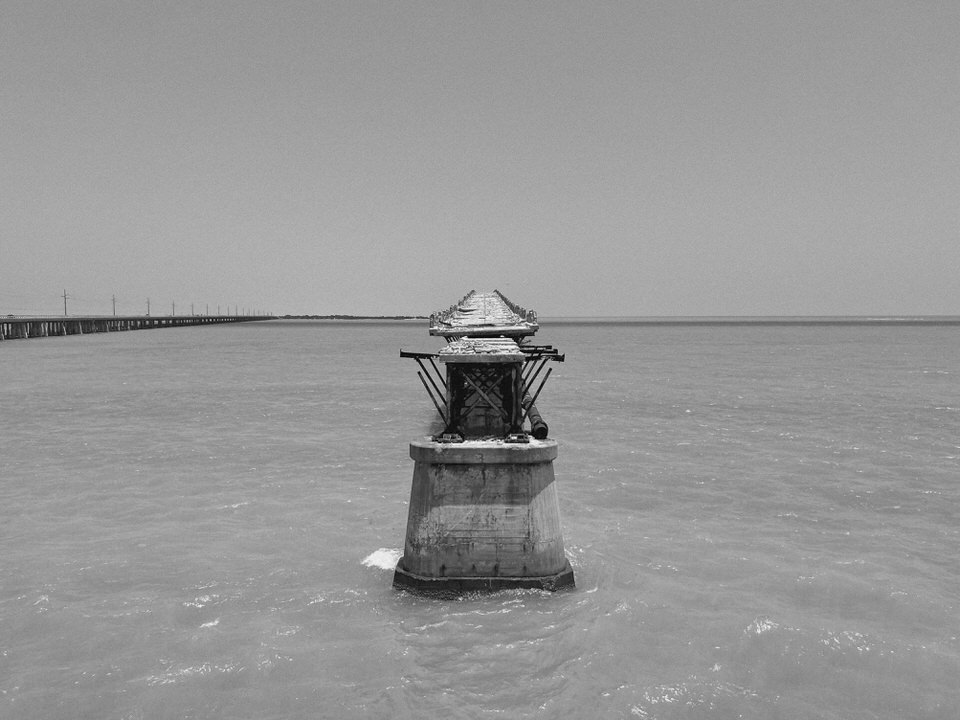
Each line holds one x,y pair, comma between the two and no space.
764,523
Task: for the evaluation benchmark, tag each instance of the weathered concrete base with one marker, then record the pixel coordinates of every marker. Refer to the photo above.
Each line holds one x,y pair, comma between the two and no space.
483,515
460,585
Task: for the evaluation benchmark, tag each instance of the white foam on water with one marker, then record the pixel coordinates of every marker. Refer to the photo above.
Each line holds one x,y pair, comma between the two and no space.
384,558
761,625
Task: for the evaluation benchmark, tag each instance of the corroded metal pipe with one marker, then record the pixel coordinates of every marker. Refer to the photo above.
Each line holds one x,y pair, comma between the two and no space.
538,427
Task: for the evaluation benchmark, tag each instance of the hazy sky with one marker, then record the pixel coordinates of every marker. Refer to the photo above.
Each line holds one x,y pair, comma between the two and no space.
626,158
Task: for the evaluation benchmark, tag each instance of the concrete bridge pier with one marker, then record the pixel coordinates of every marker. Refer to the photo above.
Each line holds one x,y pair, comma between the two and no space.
483,515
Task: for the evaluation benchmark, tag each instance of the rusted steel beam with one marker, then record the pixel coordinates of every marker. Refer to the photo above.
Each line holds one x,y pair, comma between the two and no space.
529,381
426,372
435,403
535,396
498,406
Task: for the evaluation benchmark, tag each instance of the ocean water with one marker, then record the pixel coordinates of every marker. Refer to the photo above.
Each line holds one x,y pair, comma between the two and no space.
764,522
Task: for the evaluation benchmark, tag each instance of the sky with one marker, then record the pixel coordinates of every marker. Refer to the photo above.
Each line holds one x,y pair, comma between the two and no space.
585,158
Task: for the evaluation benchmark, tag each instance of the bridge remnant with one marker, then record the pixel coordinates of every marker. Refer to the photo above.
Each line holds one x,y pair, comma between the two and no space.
484,512
25,327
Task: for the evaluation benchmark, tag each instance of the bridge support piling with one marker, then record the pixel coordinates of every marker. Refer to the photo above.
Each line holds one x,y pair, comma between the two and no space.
483,515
